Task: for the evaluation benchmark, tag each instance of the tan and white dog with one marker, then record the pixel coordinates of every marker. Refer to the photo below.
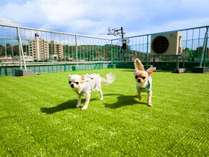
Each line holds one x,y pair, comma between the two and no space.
83,85
143,80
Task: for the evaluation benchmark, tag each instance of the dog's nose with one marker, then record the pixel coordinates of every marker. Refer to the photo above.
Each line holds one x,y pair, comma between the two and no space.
72,86
139,80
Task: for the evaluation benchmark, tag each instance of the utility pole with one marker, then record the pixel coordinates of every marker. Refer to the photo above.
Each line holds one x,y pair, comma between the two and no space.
119,32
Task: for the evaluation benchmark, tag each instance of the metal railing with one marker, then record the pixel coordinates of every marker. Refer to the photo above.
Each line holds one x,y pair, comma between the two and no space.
194,47
48,46
44,46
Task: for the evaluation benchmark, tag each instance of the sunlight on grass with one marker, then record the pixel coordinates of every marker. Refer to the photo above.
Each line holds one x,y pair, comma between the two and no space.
39,118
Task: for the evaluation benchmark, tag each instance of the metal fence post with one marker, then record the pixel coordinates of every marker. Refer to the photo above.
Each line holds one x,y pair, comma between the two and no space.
20,60
111,55
76,49
21,53
147,51
204,50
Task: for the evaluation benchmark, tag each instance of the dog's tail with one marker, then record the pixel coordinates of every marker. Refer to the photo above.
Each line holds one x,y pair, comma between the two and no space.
108,79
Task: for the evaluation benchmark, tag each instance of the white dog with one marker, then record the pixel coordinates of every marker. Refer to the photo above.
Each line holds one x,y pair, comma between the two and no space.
84,85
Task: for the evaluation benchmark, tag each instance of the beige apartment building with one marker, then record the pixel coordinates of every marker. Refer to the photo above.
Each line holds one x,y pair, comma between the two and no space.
39,49
56,51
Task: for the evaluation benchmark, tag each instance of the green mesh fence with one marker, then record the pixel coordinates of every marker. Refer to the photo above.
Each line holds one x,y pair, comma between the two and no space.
49,51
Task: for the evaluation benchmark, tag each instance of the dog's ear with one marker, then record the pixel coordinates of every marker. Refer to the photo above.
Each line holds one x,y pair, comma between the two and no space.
150,70
138,64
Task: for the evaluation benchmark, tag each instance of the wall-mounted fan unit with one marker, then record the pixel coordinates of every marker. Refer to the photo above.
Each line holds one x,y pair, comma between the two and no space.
168,43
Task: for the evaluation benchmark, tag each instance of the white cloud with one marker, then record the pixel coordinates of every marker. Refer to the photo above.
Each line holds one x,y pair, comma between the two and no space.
9,22
95,16
62,11
173,25
73,14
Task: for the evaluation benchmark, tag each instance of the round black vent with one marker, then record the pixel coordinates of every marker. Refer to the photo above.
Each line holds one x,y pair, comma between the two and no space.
160,44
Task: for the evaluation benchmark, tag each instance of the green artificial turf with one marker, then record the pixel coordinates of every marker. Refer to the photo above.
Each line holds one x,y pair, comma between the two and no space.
38,117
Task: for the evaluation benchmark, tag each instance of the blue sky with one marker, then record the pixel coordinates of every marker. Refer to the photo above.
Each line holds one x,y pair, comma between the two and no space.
94,16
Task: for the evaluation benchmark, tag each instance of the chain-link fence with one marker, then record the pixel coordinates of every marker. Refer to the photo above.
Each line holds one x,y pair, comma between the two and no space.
193,47
46,46
43,47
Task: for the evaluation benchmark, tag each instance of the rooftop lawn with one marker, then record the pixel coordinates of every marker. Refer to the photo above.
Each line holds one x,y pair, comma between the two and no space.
38,117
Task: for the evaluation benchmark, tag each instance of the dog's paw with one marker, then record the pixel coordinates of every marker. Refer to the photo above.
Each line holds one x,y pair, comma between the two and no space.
78,105
101,98
149,104
84,108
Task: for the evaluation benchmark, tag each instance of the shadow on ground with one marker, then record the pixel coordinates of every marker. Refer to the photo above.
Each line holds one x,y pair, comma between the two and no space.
60,107
124,100
70,104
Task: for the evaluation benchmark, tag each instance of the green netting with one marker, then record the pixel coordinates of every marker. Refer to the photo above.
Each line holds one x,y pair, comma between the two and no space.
75,52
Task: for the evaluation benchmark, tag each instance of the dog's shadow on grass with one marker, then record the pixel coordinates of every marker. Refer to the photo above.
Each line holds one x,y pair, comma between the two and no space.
60,107
124,100
70,104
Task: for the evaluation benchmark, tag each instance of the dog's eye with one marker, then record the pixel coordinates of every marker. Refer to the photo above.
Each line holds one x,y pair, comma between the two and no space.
69,82
136,77
143,78
77,82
